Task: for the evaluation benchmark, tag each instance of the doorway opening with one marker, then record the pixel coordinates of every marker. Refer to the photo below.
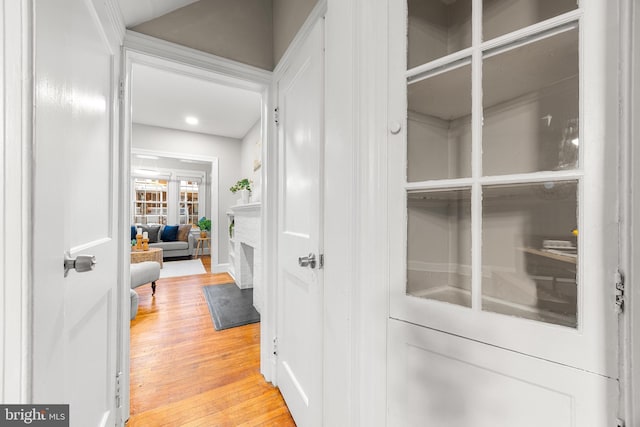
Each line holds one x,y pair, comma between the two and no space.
181,169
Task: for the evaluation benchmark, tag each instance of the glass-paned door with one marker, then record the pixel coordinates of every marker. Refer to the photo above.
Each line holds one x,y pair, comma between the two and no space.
150,200
501,187
189,200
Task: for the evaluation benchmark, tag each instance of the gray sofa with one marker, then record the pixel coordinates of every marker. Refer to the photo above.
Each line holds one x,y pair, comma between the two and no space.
178,248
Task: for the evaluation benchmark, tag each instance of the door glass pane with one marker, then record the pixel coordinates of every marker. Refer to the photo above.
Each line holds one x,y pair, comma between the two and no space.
530,99
503,16
439,126
189,203
150,203
437,28
529,251
439,245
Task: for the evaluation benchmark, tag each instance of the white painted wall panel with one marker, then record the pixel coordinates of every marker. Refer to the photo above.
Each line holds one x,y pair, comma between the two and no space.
443,380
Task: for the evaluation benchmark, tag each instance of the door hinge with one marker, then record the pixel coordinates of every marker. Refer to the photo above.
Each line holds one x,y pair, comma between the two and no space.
276,116
619,291
121,90
118,391
321,261
275,346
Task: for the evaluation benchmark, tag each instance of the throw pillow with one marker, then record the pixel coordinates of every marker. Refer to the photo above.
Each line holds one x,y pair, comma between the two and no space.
153,231
170,233
183,232
133,232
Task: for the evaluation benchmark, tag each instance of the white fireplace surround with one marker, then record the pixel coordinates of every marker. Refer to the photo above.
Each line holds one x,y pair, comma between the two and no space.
245,258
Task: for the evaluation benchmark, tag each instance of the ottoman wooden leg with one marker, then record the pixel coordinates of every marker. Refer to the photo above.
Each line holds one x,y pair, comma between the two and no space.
153,288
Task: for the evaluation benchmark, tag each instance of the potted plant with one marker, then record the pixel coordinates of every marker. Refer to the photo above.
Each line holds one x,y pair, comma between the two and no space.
244,187
205,226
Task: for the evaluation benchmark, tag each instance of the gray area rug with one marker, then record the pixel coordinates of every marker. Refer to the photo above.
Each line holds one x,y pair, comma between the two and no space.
230,306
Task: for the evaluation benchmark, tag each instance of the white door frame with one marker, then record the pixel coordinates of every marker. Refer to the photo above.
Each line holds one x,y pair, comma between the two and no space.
630,207
159,54
16,192
150,51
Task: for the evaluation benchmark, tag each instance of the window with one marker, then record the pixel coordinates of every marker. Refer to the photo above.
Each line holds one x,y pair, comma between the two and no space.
168,196
150,201
189,200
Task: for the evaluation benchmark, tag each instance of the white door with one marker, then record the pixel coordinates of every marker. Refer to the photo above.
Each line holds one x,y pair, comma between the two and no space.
503,220
300,286
75,206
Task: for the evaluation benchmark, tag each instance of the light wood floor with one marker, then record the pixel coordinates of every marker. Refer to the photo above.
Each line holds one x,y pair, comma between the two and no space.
185,373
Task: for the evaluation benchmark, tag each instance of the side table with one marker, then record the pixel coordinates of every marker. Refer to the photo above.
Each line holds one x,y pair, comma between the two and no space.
200,246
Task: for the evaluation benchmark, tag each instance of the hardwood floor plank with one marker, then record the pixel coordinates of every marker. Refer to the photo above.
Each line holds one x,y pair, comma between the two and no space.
185,373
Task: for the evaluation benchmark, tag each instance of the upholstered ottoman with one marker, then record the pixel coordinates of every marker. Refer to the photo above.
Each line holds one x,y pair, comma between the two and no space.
134,304
141,274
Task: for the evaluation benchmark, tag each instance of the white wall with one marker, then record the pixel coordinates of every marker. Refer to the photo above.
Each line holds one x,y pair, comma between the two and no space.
227,150
288,17
252,151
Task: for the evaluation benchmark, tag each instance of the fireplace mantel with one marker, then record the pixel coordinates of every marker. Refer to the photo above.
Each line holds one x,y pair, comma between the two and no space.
244,248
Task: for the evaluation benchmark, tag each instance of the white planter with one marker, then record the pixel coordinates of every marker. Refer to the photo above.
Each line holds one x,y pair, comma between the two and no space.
244,196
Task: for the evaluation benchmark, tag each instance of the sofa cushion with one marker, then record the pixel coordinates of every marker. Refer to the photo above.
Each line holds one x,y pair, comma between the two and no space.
169,233
152,230
183,232
171,246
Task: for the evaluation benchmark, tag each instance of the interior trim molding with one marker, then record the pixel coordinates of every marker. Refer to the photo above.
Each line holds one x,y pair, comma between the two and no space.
630,208
318,12
196,61
116,19
16,201
150,51
371,289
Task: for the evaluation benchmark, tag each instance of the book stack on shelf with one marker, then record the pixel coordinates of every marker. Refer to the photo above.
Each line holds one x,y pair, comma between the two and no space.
560,247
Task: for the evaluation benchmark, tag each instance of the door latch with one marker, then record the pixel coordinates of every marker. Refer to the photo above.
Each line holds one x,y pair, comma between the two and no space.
619,292
307,261
82,263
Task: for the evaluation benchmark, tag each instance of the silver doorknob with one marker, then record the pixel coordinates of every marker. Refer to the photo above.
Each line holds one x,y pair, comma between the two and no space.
307,261
81,263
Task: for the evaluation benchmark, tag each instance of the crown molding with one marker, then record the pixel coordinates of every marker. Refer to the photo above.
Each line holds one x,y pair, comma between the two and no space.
116,18
152,47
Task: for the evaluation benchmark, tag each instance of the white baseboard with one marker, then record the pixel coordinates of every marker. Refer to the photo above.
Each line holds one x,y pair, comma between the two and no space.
221,268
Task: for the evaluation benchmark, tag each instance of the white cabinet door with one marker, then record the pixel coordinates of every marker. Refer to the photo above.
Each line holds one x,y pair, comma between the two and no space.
503,182
75,210
300,287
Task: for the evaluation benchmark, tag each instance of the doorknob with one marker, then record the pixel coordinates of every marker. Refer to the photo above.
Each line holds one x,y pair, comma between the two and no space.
81,263
307,261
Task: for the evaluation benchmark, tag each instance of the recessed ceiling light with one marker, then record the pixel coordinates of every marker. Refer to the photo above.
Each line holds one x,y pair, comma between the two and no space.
191,120
147,156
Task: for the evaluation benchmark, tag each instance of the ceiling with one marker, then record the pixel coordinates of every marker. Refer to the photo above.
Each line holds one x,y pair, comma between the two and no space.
138,11
165,99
